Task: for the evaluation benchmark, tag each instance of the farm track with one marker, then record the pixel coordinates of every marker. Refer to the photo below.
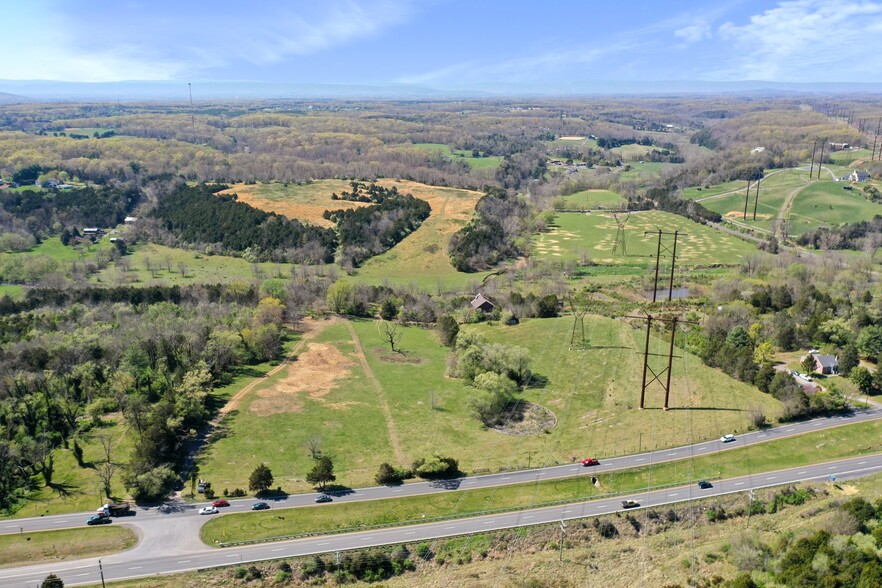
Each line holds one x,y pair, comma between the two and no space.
381,394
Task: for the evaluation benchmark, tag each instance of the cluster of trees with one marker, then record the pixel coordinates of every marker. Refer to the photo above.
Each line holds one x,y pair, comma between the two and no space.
862,235
64,367
432,467
496,371
197,216
499,230
611,142
370,230
369,193
41,213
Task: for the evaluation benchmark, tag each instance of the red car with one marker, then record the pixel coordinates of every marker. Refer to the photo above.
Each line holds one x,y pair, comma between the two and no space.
591,461
220,502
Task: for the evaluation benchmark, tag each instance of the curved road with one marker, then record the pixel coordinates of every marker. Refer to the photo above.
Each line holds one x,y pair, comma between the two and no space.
139,562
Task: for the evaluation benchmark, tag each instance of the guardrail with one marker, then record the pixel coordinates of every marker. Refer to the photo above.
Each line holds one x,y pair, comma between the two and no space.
446,518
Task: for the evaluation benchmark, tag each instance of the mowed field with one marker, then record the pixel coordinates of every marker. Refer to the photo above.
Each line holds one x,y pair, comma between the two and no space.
587,199
368,405
789,194
420,258
575,233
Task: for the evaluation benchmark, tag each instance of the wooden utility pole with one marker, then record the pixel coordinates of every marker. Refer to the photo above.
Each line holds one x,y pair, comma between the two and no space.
821,158
876,138
756,200
673,251
746,198
812,166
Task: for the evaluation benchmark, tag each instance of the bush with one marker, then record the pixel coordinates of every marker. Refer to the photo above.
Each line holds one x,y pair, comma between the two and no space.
152,485
387,475
436,467
606,529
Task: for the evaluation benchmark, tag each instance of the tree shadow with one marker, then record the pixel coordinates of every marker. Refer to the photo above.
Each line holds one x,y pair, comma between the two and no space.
64,489
450,484
536,382
338,490
278,495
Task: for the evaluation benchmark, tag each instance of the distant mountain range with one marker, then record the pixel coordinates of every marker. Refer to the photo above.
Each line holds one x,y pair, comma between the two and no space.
15,91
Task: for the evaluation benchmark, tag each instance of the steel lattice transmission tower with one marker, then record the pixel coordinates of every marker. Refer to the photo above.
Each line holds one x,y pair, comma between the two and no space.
621,217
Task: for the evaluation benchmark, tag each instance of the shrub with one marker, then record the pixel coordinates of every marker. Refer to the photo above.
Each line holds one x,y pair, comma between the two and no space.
386,474
607,530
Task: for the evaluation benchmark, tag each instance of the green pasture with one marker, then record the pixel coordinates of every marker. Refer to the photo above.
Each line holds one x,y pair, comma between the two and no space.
645,170
575,233
785,453
593,393
488,162
847,156
589,199
14,291
632,151
57,546
199,268
827,203
696,192
580,142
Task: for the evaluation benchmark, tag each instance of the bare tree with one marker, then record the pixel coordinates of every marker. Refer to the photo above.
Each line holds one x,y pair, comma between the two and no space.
314,446
106,471
182,267
392,333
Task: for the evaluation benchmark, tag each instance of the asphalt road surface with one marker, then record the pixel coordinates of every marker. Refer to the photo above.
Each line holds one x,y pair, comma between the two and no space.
147,559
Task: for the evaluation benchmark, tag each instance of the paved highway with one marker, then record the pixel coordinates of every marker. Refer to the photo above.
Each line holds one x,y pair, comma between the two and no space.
144,560
145,517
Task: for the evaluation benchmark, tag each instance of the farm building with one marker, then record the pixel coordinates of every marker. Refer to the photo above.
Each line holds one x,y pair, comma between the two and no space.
859,175
826,364
482,304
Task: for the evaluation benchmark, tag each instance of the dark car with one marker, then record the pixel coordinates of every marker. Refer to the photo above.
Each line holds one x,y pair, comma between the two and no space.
259,506
323,498
220,502
591,461
704,484
98,520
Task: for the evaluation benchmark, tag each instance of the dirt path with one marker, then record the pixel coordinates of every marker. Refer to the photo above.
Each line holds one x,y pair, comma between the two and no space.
381,395
311,329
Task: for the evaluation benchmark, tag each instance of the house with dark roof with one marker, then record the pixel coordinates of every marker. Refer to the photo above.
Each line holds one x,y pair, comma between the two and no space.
482,304
826,364
859,175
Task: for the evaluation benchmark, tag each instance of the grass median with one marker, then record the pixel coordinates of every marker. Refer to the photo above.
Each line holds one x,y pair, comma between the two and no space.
49,546
836,443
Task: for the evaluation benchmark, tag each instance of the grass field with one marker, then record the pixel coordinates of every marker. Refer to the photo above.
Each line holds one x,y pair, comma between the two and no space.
379,407
632,151
645,170
421,258
827,203
697,192
488,162
847,157
49,546
588,199
574,233
12,290
785,453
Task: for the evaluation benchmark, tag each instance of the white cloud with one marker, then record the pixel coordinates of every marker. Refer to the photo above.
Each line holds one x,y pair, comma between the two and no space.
694,33
148,45
806,40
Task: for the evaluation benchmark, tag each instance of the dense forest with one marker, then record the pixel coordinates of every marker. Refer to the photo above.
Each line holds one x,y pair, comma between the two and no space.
498,231
199,217
65,369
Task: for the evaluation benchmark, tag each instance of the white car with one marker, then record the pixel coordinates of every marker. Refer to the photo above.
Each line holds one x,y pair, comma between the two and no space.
728,438
208,510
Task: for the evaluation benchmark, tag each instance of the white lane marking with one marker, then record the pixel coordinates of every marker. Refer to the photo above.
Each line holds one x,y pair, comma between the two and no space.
771,477
470,482
279,549
542,473
234,555
574,469
674,494
700,448
135,568
861,462
565,511
800,473
832,468
451,527
763,435
184,561
62,521
739,483
640,459
817,424
788,430
325,543
601,506
411,533
78,575
399,490
507,478
12,527
528,516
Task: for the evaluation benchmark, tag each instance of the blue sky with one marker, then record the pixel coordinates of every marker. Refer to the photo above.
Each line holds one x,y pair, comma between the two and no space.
441,42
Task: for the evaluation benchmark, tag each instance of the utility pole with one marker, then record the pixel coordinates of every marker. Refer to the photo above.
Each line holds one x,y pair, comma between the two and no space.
658,254
756,201
746,198
666,371
812,166
563,529
821,158
876,138
101,571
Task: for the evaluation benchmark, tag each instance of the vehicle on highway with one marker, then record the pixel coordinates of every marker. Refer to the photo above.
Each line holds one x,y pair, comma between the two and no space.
208,510
260,506
220,502
630,504
323,498
591,461
727,438
98,520
111,509
704,484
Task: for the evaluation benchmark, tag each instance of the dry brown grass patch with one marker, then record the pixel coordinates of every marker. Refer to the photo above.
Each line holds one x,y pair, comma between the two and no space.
313,375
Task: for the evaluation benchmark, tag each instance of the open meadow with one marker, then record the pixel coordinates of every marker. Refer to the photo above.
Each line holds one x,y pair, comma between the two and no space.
421,258
590,199
573,234
365,405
